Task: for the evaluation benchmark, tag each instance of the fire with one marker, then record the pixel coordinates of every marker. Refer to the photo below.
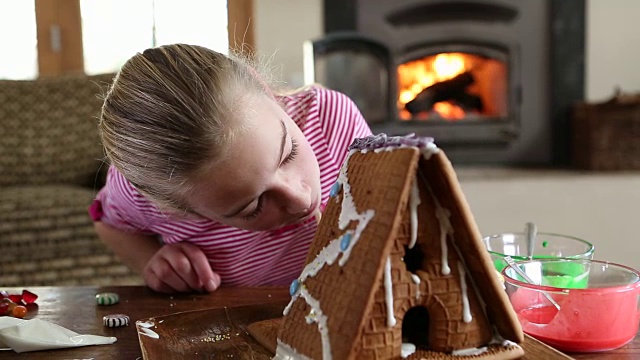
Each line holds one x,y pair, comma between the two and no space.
415,76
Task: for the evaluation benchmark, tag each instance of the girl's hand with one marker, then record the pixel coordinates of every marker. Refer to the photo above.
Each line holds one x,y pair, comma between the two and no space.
180,267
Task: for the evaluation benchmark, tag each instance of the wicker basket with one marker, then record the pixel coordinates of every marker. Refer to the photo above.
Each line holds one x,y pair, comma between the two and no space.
606,136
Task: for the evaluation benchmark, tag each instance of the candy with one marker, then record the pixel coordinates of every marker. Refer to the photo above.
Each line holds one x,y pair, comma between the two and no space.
293,288
28,297
115,320
107,298
17,304
19,311
344,243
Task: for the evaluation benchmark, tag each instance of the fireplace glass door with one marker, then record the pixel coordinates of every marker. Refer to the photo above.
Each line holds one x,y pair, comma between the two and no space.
453,85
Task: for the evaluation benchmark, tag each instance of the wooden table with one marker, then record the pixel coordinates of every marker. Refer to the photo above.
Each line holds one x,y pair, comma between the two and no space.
75,309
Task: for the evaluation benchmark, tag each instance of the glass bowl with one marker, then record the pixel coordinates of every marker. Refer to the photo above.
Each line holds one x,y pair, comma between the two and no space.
602,315
546,245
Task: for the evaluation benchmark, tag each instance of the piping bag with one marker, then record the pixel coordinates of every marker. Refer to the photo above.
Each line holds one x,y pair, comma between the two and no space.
22,335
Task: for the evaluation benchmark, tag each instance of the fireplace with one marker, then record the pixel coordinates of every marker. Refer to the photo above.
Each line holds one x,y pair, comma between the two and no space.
475,75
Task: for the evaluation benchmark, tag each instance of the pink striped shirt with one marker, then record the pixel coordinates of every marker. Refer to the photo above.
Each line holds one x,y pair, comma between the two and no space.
329,120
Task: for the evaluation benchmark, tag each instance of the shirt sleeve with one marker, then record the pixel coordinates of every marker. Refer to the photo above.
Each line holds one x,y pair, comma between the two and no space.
120,205
341,120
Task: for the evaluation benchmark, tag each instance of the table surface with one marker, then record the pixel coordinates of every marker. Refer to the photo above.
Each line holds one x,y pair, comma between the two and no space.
75,309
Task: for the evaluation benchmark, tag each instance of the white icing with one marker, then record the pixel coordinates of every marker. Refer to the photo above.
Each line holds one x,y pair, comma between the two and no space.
407,349
145,324
388,293
321,320
150,333
466,311
311,317
414,202
445,229
328,255
416,280
349,212
469,352
286,352
429,150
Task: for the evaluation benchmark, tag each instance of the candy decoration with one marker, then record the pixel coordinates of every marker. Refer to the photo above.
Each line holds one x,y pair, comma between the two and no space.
28,297
19,311
346,240
16,305
115,320
295,285
107,298
335,189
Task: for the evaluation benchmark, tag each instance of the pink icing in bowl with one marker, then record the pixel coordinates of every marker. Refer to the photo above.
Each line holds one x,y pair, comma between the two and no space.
603,313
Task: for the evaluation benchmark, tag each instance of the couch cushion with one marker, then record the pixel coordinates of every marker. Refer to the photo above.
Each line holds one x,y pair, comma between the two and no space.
48,130
47,238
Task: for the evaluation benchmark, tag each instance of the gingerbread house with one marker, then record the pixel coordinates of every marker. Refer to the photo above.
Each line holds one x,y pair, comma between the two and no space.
397,267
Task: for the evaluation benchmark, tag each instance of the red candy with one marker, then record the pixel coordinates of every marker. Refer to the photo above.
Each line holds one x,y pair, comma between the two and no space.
28,297
16,304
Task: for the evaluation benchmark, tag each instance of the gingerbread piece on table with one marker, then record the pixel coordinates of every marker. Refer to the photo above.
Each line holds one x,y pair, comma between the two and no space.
397,266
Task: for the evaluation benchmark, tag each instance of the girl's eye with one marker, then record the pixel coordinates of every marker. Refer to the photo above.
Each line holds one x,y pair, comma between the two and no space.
293,153
255,212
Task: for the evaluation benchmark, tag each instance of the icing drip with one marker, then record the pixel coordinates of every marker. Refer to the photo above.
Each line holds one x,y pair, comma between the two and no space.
469,352
286,352
407,349
445,229
443,217
415,201
466,311
388,293
416,280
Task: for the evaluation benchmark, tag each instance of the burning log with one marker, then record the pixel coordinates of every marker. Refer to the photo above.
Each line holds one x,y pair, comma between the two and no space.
453,90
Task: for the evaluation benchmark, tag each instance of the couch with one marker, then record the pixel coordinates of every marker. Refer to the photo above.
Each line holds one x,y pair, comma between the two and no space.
51,166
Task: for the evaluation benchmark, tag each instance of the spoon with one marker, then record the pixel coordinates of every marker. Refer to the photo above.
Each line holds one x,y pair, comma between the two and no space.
530,233
513,265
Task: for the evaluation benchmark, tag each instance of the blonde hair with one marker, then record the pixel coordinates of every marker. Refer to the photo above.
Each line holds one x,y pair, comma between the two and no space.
170,112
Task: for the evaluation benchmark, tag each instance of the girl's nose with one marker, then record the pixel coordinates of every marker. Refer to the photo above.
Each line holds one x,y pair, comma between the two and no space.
296,197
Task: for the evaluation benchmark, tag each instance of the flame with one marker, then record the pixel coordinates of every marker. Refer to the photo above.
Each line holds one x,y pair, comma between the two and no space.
415,76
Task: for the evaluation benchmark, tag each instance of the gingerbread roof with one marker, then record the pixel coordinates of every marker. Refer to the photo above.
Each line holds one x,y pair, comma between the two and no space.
395,195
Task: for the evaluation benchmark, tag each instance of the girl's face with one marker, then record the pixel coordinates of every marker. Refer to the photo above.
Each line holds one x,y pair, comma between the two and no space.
268,178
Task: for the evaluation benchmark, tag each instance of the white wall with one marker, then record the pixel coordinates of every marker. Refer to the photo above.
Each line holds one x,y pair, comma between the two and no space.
281,27
600,208
612,47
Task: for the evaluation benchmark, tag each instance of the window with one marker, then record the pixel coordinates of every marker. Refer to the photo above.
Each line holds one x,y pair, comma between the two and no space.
115,30
19,58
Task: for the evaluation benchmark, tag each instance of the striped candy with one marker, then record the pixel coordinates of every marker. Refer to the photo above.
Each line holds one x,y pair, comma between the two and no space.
116,320
107,298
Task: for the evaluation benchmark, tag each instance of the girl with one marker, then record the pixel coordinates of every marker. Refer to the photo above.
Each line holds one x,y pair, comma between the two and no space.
214,180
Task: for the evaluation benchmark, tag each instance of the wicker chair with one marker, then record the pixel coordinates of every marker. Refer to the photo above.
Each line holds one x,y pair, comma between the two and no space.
50,170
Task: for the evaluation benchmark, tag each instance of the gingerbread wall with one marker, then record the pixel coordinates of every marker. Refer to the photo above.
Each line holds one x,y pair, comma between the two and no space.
440,294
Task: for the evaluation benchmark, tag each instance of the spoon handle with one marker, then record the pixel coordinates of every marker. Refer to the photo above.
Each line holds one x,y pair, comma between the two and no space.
515,267
531,234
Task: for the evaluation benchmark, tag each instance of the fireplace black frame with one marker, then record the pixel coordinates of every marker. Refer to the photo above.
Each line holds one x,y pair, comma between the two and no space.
567,62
